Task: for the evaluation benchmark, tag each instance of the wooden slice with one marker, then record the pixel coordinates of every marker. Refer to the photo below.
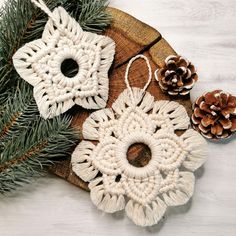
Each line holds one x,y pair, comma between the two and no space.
132,37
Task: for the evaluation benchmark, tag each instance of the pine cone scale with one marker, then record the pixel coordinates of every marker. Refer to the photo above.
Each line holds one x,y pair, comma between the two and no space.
203,129
232,102
217,129
227,124
207,120
199,100
205,107
227,111
182,62
233,128
199,113
179,82
210,98
189,84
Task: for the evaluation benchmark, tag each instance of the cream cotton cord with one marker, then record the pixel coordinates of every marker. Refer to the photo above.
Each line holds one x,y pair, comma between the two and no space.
144,192
127,73
41,4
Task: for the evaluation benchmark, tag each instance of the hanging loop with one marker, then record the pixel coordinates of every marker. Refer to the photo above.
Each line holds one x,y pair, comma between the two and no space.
156,74
127,74
42,5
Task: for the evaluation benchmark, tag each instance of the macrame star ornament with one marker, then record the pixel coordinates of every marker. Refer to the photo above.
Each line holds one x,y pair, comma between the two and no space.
144,192
40,64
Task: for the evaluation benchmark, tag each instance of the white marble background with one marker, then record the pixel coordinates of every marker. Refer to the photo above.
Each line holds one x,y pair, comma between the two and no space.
204,31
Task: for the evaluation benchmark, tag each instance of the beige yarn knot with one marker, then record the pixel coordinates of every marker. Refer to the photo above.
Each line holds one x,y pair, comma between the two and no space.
39,63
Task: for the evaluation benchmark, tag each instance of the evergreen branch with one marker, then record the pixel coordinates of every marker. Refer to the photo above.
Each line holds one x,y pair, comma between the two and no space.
19,111
92,17
29,153
9,124
35,144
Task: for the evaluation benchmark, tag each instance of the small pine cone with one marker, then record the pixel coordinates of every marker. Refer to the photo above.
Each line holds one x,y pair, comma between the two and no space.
177,76
214,114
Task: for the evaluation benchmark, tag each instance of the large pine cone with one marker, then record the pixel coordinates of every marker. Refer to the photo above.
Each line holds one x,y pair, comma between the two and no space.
176,76
214,114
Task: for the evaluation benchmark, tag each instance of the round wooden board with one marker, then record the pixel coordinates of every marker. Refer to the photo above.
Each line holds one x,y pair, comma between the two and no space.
132,37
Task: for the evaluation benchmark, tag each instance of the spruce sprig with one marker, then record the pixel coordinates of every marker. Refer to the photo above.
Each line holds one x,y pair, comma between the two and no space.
28,142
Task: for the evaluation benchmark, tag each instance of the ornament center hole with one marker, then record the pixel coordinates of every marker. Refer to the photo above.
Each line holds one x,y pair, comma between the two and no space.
139,154
69,68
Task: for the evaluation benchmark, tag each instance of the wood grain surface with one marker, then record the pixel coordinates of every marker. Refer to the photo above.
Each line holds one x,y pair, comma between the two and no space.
132,37
204,31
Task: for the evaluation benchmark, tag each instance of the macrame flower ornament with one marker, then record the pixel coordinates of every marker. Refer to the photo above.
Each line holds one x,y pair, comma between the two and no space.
40,63
176,76
144,192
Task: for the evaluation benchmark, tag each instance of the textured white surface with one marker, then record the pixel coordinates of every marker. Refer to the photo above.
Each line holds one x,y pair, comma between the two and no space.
204,32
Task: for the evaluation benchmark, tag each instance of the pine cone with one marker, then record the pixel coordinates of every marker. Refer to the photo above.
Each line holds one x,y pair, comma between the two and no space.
214,114
177,76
